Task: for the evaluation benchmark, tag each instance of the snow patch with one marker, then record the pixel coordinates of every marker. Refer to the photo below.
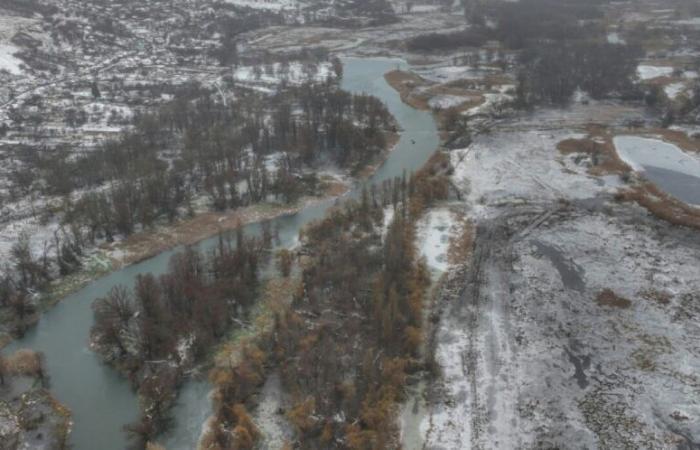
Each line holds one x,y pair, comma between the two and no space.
8,61
647,72
434,231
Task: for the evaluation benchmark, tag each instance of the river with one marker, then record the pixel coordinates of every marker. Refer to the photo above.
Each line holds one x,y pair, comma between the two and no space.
100,399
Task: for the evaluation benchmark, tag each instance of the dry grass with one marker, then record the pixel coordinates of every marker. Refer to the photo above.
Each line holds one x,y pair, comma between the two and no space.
462,243
392,139
24,362
608,298
599,145
663,298
662,205
405,84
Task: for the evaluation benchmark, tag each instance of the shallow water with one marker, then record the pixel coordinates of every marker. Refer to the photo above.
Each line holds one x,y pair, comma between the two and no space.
664,164
101,400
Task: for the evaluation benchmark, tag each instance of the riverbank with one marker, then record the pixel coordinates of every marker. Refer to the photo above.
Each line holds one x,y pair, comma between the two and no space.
110,257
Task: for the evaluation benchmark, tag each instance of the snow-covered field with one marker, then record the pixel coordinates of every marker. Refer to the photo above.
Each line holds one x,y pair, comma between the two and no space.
514,167
599,375
529,354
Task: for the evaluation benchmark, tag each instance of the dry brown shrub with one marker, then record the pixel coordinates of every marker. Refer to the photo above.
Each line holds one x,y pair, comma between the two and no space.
663,298
662,205
608,161
301,415
461,245
25,362
405,84
608,298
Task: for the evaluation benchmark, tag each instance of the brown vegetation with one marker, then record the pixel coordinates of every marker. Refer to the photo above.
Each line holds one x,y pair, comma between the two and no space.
600,147
24,362
608,298
662,205
405,84
462,244
355,291
662,298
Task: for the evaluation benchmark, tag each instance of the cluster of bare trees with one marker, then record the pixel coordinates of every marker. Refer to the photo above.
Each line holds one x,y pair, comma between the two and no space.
25,273
563,48
362,299
165,325
198,144
353,331
552,72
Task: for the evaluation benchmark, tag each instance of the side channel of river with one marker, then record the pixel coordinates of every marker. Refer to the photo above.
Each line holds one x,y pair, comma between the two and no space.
102,401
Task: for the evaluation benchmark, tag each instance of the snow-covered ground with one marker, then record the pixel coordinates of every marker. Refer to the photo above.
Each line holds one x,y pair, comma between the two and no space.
273,425
8,61
448,101
514,167
274,5
673,90
434,231
648,72
295,73
599,375
446,74
529,355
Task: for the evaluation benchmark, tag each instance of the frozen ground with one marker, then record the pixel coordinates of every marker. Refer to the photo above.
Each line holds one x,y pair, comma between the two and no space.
530,354
274,74
515,167
433,237
8,61
648,72
448,101
673,90
275,5
269,415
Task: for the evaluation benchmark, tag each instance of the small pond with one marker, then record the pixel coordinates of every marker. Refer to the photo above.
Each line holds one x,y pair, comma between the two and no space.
664,164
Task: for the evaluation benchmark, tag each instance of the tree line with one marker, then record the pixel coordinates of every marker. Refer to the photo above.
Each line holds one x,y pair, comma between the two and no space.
163,326
353,332
195,145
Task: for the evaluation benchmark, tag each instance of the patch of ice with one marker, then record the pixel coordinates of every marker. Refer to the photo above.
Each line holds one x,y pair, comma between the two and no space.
638,152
